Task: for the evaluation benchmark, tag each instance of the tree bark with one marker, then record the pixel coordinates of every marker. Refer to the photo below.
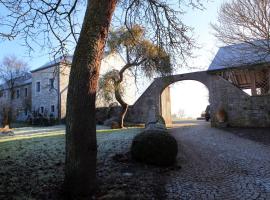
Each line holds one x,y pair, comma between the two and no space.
117,94
123,104
81,145
6,120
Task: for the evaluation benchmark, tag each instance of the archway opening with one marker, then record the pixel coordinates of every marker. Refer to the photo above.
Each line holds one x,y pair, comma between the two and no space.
185,101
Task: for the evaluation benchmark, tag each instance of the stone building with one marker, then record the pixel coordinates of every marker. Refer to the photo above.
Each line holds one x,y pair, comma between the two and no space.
246,67
49,88
50,84
244,86
17,101
44,91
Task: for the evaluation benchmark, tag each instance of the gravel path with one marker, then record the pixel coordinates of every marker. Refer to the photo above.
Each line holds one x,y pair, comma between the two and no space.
218,165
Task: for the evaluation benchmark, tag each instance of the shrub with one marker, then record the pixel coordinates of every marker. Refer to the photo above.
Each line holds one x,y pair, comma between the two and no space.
154,147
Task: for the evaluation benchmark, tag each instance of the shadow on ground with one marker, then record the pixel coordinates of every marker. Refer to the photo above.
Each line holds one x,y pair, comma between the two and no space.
261,135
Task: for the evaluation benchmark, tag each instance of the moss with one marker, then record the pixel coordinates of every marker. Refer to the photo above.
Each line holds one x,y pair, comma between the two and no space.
154,147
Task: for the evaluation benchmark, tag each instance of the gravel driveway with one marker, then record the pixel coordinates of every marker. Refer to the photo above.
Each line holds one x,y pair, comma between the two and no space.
218,165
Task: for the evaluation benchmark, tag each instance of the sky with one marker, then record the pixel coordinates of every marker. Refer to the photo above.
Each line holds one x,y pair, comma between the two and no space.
199,20
192,96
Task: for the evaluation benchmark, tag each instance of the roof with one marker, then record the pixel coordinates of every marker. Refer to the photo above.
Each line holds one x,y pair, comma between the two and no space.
67,59
241,55
20,81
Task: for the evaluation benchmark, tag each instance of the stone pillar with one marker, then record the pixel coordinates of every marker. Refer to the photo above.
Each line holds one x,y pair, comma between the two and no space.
253,83
166,106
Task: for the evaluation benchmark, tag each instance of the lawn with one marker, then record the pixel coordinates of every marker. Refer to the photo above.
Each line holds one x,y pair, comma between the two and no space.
32,166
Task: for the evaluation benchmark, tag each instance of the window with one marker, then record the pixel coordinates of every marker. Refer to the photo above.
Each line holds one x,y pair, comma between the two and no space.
51,83
42,109
38,86
12,94
25,112
52,108
17,94
25,92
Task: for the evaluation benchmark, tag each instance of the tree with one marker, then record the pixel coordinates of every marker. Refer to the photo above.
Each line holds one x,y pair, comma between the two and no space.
12,70
181,113
139,53
245,21
57,21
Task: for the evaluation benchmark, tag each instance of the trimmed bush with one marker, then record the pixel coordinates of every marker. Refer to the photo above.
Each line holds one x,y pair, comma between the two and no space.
154,147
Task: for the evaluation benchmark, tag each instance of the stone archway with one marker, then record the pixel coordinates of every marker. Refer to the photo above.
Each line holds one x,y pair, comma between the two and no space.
242,110
188,98
149,104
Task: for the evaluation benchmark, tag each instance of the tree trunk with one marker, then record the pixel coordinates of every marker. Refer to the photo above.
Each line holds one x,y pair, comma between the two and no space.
81,145
123,115
123,104
6,120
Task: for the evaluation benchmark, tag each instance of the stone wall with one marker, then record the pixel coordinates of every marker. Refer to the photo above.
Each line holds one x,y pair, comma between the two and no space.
147,103
63,80
47,96
166,106
20,105
242,110
151,99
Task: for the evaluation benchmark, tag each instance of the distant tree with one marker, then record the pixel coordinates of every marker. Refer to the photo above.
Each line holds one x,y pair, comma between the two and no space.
244,21
11,70
181,113
140,54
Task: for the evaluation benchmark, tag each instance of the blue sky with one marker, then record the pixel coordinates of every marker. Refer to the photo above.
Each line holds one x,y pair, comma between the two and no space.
198,19
192,96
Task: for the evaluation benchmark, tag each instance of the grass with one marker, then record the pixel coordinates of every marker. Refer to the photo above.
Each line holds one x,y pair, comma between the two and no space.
57,133
32,167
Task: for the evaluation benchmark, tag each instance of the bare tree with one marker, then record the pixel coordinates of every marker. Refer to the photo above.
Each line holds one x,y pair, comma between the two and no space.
12,70
245,21
247,24
57,21
181,113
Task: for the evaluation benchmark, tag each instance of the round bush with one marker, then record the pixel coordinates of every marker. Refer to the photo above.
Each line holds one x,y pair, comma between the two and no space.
154,147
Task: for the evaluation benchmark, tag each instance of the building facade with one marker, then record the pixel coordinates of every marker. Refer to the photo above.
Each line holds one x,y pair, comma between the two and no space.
44,91
17,99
